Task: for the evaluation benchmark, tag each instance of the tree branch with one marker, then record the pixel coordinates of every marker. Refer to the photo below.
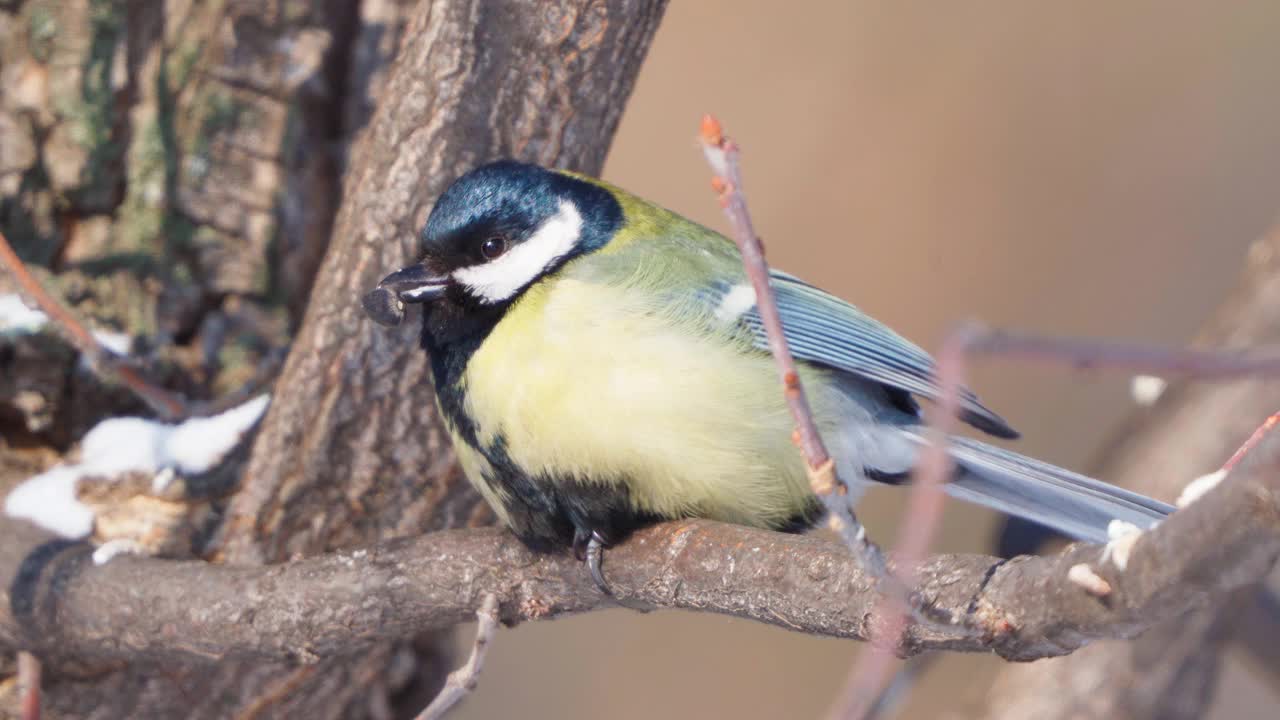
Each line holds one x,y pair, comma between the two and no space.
872,672
75,615
164,403
1170,671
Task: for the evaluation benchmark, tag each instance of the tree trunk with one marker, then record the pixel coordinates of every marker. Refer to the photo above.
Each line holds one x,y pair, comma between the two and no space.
361,456
195,153
176,166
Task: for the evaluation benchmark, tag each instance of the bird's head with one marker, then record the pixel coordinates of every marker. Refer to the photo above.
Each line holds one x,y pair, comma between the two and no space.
493,233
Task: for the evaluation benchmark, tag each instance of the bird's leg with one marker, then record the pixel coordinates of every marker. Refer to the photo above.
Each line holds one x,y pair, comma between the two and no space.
581,536
588,547
595,553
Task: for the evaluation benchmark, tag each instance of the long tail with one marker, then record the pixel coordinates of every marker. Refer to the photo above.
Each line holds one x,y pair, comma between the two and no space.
1072,504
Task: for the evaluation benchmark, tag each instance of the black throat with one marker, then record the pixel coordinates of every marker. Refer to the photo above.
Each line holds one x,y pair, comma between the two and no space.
452,330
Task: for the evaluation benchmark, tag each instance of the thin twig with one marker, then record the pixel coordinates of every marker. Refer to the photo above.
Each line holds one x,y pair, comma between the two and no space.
1088,354
925,501
462,681
164,403
1267,426
723,156
875,664
278,692
29,685
894,695
925,508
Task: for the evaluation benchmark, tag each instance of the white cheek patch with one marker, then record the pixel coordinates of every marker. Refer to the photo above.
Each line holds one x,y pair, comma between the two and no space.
502,278
737,301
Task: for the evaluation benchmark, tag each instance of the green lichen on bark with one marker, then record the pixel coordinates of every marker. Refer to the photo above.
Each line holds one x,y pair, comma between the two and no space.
42,26
88,108
141,216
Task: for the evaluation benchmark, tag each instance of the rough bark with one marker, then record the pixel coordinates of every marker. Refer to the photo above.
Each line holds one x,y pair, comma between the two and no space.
151,154
192,152
361,456
355,454
1170,671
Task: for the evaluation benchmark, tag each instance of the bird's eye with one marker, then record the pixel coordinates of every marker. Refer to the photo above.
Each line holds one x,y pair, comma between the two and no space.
493,247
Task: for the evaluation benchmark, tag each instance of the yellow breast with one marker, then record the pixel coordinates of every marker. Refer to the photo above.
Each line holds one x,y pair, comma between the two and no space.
588,381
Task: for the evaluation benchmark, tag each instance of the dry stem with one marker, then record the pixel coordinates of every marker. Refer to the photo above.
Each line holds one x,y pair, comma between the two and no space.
29,685
163,402
462,681
723,156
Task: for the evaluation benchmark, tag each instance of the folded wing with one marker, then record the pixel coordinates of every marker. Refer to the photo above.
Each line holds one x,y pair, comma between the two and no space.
825,330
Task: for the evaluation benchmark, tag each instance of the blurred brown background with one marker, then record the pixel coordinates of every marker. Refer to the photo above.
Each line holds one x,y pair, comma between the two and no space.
1075,168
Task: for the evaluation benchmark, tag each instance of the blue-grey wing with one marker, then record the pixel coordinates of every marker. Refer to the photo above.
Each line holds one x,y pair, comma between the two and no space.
824,330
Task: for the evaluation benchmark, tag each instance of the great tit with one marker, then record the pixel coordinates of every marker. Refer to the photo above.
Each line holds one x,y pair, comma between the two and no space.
601,365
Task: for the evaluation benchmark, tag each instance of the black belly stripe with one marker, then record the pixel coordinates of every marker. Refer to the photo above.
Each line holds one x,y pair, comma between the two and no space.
545,510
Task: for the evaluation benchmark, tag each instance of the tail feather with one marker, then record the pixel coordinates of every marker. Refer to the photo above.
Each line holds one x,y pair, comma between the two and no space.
1068,502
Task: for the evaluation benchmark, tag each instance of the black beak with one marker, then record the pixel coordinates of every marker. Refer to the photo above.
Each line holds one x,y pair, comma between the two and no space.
414,284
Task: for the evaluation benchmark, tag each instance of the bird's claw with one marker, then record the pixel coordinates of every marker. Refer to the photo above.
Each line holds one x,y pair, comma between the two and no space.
588,547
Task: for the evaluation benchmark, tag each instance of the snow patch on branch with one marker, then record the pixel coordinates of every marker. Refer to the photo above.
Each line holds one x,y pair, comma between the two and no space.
49,500
114,342
17,318
111,549
129,444
197,445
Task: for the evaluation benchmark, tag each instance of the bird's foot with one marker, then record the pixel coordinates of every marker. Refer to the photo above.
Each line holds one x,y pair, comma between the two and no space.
588,547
